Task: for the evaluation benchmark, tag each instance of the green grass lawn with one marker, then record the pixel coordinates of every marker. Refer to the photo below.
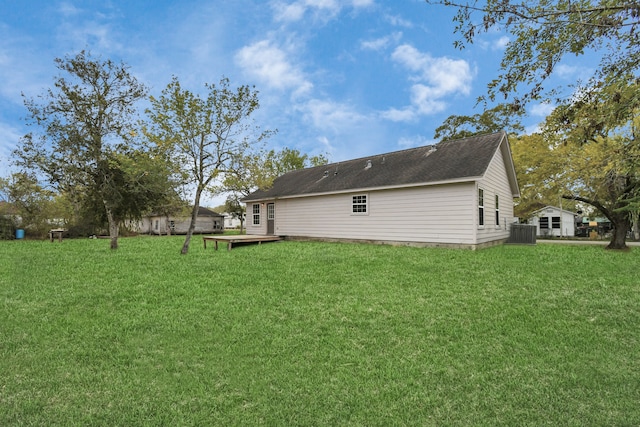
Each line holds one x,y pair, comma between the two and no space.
307,333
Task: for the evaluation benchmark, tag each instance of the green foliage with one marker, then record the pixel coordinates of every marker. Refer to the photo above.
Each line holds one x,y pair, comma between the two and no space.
571,159
496,119
541,173
543,33
30,202
601,151
258,169
592,115
204,137
308,333
85,122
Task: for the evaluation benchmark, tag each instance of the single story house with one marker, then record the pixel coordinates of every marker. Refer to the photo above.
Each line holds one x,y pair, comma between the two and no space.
207,222
553,221
456,193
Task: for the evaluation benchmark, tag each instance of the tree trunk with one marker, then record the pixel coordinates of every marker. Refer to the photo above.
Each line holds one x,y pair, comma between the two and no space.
192,225
620,229
114,227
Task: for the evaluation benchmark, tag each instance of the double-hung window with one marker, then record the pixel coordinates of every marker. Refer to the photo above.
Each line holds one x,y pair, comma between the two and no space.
480,207
359,204
256,213
497,211
555,222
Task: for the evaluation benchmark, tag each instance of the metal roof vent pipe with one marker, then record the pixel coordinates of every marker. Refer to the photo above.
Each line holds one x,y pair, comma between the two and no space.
368,166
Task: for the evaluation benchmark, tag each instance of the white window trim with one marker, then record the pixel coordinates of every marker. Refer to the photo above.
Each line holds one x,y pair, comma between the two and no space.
481,206
271,211
497,210
255,215
547,223
366,204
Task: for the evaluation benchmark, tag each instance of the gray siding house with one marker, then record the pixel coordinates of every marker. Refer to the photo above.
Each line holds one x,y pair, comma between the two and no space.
456,193
207,221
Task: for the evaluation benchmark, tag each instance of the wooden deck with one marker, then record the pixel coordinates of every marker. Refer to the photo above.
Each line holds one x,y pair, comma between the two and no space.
240,238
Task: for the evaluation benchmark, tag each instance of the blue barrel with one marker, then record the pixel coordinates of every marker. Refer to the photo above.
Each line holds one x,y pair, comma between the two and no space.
19,233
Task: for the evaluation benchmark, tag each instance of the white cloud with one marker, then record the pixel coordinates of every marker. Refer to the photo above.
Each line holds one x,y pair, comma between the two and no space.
416,141
288,12
326,9
67,9
326,145
426,99
405,115
380,43
362,3
541,110
573,72
270,65
82,28
435,79
398,21
329,115
501,43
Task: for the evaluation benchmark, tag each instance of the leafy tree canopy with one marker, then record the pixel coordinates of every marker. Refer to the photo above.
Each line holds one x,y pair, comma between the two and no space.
544,32
204,136
500,117
83,129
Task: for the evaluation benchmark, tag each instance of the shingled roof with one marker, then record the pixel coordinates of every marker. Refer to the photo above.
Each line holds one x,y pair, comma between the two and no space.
447,161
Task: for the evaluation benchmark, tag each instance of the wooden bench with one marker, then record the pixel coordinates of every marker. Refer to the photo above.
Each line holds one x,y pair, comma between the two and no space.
240,238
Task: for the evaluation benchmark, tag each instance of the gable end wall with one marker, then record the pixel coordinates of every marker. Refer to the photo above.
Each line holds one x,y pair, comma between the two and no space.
495,181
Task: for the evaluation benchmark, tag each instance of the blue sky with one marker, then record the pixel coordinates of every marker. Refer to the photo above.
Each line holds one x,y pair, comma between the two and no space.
344,78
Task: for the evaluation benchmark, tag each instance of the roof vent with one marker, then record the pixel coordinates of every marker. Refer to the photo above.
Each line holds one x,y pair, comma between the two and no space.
326,173
368,166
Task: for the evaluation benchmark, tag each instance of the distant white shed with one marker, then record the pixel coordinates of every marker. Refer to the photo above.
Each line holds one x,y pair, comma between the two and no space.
553,221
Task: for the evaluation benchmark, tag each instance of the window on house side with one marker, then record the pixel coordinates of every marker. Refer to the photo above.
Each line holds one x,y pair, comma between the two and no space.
497,211
359,204
544,223
480,207
555,222
256,214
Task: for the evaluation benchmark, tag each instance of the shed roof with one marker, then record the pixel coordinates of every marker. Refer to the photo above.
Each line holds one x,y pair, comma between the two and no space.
553,208
448,161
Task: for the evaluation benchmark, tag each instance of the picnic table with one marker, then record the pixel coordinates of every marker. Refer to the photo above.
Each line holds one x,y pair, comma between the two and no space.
240,238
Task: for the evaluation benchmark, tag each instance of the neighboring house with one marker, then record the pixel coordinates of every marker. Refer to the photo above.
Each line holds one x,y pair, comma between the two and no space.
456,193
553,221
231,221
207,221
